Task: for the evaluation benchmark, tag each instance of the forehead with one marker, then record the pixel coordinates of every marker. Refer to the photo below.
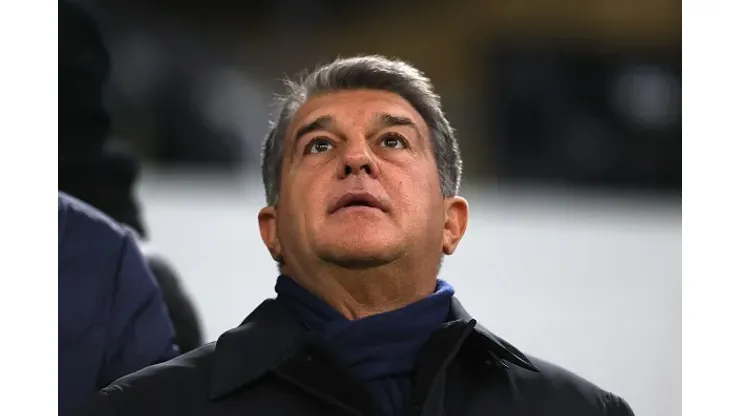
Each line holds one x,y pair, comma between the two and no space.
355,107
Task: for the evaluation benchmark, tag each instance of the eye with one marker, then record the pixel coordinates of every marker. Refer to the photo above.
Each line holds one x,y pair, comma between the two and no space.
393,141
319,145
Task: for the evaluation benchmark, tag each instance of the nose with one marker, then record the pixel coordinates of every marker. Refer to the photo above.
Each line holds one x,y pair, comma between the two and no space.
357,159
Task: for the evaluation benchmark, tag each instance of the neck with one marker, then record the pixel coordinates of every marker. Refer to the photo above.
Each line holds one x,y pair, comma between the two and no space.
357,294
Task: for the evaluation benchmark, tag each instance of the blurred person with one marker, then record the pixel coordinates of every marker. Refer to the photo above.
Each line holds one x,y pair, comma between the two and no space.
112,320
362,172
100,171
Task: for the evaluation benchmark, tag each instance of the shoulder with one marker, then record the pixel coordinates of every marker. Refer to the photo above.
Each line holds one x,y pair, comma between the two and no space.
559,388
162,387
91,247
189,370
522,384
78,218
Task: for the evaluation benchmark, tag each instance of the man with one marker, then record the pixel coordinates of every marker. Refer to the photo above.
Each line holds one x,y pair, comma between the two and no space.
112,320
361,171
96,170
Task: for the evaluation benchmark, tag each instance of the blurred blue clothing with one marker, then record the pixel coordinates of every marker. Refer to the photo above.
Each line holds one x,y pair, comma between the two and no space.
112,320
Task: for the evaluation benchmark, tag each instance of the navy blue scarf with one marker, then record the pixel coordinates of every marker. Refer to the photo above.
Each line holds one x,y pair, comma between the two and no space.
380,350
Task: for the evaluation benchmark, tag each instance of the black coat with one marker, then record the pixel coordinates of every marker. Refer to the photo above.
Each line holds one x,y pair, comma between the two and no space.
270,365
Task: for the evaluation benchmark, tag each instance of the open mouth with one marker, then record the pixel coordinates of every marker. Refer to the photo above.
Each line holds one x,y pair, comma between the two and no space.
359,204
359,200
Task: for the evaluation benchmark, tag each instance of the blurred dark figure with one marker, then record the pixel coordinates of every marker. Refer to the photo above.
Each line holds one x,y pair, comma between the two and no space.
95,169
188,332
185,138
112,320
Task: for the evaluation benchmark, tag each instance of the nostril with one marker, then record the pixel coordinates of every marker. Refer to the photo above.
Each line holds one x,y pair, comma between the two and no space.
349,169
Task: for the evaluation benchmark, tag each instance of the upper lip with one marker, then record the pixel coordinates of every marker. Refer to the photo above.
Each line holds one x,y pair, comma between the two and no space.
363,198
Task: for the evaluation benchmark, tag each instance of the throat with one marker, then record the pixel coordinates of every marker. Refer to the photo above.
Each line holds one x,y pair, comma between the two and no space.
378,344
358,296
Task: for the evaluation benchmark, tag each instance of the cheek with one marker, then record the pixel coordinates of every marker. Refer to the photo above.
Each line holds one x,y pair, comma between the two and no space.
425,180
305,200
418,192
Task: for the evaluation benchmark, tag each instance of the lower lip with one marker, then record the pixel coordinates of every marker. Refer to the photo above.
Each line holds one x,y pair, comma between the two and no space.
358,208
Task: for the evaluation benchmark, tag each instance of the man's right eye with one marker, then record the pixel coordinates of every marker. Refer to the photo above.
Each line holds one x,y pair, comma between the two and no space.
319,145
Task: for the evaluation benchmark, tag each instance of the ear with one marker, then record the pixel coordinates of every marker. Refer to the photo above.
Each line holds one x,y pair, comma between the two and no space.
267,220
456,222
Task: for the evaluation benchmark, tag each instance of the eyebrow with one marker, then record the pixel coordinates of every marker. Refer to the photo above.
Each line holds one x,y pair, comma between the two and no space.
385,120
325,122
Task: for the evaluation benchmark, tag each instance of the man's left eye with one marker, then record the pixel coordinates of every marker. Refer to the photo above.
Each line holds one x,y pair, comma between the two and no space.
394,141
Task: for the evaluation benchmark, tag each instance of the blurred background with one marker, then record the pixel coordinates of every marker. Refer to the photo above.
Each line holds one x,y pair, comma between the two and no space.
569,120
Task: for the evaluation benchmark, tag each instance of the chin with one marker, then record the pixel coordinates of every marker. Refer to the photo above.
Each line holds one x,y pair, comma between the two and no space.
356,263
359,244
359,254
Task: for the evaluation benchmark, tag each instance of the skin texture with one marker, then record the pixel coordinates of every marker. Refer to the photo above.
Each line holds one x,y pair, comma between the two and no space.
361,260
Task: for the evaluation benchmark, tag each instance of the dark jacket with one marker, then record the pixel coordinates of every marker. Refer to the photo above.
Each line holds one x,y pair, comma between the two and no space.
270,365
112,320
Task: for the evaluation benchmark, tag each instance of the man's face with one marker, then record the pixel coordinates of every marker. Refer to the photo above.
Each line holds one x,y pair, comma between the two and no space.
360,186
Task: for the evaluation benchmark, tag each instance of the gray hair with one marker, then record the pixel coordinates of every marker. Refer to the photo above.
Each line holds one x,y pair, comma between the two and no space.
364,72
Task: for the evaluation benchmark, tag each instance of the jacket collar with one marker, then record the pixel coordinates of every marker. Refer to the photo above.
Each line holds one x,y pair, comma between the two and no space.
264,339
498,348
270,334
